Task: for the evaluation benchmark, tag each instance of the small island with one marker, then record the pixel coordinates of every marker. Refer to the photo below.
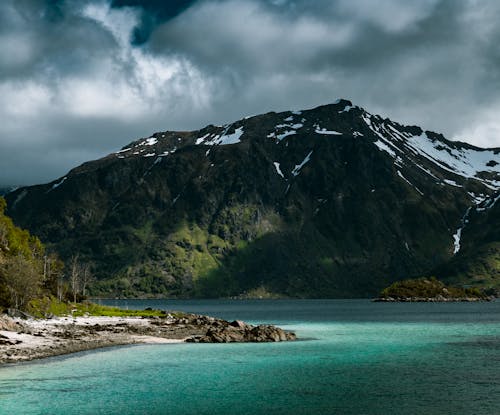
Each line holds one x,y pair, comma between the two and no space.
429,290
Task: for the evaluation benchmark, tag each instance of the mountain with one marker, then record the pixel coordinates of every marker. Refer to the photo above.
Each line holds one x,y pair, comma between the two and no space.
6,189
327,202
478,262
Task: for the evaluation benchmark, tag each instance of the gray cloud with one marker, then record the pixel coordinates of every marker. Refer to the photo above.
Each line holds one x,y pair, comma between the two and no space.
81,78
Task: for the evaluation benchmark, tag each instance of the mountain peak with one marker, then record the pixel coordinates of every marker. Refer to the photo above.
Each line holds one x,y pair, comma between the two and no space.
329,201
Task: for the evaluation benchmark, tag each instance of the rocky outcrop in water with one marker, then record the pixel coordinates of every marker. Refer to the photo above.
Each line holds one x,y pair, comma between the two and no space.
238,331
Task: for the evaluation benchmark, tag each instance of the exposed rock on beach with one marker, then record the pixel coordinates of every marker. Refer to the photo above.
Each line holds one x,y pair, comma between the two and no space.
23,340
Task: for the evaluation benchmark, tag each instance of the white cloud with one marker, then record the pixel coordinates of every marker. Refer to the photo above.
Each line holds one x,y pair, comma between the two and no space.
390,15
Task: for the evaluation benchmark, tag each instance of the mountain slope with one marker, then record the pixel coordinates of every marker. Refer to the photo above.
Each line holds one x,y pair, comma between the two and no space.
478,261
330,202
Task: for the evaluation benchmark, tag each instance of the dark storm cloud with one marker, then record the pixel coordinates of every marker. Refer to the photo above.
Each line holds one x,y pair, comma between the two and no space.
81,78
153,13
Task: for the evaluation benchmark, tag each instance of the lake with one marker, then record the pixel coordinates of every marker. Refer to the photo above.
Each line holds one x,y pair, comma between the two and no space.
354,357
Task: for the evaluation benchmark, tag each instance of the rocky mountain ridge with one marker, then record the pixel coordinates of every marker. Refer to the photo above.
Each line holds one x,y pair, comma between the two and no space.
329,202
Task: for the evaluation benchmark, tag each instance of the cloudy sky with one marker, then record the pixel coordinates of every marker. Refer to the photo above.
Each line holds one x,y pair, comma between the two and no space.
82,78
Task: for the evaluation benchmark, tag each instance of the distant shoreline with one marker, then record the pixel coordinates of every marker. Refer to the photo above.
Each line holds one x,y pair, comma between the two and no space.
438,299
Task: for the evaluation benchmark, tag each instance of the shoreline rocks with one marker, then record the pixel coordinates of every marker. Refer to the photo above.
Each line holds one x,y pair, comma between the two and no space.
23,340
238,331
437,299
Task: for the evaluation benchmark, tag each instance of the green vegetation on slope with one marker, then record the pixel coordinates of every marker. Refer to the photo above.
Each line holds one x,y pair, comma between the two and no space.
427,288
29,275
21,264
50,306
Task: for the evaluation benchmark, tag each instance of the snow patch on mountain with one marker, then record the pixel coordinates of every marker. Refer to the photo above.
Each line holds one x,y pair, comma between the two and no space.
326,132
384,147
285,134
298,167
56,185
222,139
278,169
151,141
459,159
410,183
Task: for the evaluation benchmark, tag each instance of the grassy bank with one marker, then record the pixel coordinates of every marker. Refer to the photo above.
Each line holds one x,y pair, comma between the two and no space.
48,307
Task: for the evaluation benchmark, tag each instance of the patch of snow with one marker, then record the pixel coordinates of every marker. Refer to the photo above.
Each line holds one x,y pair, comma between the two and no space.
462,161
384,147
56,185
452,183
367,120
489,204
285,134
201,139
298,167
456,241
124,150
410,183
288,119
357,134
458,234
477,199
347,108
149,155
326,132
296,112
176,199
427,171
278,169
150,141
207,152
226,139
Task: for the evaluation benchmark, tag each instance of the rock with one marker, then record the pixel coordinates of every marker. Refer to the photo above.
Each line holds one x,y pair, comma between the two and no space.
8,324
238,331
238,323
14,312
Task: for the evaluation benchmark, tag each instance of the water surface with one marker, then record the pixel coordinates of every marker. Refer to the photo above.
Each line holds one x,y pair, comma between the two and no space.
362,358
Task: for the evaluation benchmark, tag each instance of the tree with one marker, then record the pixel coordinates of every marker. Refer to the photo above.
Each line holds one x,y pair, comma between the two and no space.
22,280
86,278
80,276
75,273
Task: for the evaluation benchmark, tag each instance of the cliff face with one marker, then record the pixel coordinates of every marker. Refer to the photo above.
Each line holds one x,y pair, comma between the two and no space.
328,202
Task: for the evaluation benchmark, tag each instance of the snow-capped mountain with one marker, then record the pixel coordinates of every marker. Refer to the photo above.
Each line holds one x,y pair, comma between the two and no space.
332,201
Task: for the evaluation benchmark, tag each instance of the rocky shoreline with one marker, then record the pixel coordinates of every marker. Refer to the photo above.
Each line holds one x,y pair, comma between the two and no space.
437,299
24,340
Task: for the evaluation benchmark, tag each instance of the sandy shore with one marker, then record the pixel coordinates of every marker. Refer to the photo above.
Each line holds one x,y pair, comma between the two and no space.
23,340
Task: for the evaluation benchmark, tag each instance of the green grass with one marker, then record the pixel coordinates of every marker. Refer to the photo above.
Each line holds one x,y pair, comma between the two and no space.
45,307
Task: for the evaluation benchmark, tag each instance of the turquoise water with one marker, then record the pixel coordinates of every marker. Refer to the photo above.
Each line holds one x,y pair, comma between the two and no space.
357,357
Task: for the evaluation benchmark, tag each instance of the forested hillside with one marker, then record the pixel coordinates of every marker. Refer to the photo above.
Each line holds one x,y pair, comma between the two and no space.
26,271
